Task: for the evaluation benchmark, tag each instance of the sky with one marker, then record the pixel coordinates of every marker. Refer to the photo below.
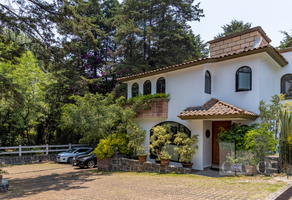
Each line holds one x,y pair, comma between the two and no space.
272,16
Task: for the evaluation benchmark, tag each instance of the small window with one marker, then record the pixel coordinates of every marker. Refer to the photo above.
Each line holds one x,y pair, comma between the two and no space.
160,86
135,90
207,82
243,79
147,88
286,85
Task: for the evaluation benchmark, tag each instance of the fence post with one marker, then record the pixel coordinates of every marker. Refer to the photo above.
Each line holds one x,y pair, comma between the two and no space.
47,149
19,151
69,145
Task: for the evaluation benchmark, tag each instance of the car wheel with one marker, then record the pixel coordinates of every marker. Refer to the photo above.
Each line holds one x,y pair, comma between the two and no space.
90,164
70,160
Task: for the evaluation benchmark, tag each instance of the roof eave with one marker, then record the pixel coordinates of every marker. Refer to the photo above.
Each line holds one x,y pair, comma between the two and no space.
242,116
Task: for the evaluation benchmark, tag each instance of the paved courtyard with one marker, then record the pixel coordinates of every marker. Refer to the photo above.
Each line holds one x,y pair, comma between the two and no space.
62,181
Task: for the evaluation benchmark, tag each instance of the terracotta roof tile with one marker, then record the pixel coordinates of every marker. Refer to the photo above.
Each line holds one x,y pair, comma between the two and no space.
207,59
215,107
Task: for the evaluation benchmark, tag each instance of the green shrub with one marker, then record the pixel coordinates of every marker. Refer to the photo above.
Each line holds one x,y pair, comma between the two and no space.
115,142
149,96
235,135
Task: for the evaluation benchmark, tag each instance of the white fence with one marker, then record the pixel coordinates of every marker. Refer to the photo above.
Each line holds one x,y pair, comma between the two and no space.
45,147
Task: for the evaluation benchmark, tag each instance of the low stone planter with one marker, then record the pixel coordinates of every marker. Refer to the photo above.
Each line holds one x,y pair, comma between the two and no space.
157,108
130,165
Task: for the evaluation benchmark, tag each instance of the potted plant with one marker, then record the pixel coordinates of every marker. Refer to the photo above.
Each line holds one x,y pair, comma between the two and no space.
164,157
1,176
159,139
136,137
187,148
142,154
249,164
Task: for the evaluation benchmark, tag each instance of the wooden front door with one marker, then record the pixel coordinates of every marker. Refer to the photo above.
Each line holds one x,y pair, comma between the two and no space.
215,147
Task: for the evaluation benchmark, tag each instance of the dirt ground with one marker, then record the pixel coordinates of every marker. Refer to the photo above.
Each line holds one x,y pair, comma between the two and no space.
62,181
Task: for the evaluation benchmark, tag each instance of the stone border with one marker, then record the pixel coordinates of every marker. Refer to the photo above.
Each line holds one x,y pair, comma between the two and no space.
130,165
12,160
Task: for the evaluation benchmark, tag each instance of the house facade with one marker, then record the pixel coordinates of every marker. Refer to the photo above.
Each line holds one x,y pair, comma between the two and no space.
214,92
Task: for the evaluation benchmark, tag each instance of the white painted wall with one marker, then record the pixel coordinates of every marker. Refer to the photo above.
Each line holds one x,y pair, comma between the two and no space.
186,88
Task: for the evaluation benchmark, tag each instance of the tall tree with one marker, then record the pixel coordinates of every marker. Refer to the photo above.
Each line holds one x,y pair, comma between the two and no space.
234,27
287,41
154,34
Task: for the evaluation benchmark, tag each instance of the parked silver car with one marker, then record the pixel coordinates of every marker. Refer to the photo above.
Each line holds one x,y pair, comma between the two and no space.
68,155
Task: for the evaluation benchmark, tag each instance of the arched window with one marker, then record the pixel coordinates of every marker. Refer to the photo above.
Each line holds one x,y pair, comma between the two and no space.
160,85
147,88
243,79
286,85
207,82
175,127
135,90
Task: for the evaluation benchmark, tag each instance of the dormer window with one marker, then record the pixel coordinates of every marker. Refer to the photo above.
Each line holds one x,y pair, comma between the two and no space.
147,87
135,90
160,86
243,79
207,82
286,85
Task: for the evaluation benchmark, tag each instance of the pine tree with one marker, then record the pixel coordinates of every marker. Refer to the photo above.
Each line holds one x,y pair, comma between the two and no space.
234,27
287,41
154,34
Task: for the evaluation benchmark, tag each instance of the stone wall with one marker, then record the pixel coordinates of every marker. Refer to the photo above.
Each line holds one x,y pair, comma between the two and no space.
130,165
12,160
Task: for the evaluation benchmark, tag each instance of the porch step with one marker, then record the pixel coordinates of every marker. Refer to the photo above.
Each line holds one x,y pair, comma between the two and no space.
215,167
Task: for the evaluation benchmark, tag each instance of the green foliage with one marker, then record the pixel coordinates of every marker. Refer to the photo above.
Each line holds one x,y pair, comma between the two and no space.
187,147
141,150
252,138
136,136
287,41
3,172
269,113
235,135
115,142
164,154
156,36
148,96
234,27
160,138
285,122
96,116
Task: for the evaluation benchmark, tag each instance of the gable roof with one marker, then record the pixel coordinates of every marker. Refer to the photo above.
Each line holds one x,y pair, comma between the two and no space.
273,52
215,108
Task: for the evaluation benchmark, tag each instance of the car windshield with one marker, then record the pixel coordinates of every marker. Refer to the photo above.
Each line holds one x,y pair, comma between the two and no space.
88,151
70,151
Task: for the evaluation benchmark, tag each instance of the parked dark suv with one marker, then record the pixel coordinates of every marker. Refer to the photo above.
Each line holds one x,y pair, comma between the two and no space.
88,160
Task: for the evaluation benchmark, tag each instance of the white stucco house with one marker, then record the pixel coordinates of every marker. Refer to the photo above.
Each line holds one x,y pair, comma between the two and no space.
213,92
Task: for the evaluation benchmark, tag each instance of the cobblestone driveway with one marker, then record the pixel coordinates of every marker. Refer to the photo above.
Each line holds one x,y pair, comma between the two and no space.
61,181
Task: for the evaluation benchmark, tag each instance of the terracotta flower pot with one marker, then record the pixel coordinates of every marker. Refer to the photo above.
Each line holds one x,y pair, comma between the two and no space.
164,161
142,158
249,169
187,165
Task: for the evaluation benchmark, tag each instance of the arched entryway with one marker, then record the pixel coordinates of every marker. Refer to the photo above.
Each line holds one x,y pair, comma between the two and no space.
175,128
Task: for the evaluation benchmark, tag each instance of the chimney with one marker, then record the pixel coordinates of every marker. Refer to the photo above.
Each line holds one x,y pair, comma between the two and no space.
237,42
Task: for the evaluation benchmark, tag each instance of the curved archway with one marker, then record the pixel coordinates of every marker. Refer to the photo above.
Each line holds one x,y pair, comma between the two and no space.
160,85
147,87
175,127
207,82
135,90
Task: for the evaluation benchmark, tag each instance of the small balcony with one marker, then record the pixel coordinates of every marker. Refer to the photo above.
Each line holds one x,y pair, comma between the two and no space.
157,108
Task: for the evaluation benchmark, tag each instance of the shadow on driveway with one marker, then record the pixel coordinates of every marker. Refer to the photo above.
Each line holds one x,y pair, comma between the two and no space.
27,184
